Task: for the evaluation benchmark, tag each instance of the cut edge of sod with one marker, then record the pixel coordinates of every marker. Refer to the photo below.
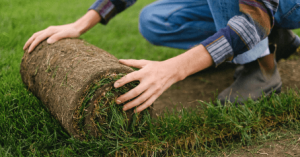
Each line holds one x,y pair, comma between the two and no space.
97,110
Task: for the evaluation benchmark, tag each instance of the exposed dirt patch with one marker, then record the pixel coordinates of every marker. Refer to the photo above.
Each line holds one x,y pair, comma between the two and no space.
288,147
201,86
205,85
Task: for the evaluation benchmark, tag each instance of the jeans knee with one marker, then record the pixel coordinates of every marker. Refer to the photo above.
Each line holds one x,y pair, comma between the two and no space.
148,25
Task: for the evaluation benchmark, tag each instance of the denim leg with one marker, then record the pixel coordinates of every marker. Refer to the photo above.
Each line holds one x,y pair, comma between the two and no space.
288,14
222,12
177,23
185,23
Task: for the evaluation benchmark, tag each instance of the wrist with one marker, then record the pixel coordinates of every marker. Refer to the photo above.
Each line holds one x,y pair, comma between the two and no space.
79,27
173,69
192,61
89,20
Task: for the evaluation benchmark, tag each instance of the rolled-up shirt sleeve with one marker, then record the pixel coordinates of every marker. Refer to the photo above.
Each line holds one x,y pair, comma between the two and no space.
243,31
107,9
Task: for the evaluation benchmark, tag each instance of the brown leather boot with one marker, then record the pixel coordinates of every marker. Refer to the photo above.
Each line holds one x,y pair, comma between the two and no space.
251,83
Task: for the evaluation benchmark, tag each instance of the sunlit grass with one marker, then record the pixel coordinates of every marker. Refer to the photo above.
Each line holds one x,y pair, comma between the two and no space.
28,129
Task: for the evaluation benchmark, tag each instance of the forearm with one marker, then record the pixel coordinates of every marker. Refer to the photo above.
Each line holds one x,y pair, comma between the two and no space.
86,22
190,62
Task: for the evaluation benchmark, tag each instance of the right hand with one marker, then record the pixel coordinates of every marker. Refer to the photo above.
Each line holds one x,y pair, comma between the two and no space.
54,33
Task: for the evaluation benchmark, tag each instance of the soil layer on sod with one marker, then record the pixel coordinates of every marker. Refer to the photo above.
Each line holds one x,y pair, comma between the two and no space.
74,80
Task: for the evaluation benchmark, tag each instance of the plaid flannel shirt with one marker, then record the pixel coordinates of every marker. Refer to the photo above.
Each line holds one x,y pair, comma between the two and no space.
241,34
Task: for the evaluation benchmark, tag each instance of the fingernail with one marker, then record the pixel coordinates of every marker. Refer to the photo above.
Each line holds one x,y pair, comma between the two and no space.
119,101
117,84
49,41
124,108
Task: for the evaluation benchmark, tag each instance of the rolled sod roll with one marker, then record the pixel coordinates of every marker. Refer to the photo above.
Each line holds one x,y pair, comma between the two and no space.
74,81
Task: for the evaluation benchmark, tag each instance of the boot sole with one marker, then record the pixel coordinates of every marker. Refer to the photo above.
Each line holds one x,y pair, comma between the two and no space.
276,90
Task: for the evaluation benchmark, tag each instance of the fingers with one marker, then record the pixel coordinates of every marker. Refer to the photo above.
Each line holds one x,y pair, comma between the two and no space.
139,100
148,103
127,78
146,99
54,38
132,94
153,81
134,63
38,39
29,41
54,33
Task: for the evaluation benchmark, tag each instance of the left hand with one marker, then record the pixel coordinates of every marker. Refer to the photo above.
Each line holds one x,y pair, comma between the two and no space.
154,76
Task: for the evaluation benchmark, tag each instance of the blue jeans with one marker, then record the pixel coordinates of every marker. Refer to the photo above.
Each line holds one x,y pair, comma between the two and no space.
185,23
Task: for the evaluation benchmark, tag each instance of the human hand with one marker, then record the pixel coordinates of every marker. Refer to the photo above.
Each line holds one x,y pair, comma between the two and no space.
73,30
54,33
154,76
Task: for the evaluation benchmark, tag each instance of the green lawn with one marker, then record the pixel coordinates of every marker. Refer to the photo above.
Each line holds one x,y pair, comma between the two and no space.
27,129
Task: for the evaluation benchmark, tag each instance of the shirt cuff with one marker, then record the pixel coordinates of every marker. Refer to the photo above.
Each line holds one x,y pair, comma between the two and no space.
106,9
218,47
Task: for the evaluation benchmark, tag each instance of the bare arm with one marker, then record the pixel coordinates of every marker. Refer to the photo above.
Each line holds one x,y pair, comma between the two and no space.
72,30
86,22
